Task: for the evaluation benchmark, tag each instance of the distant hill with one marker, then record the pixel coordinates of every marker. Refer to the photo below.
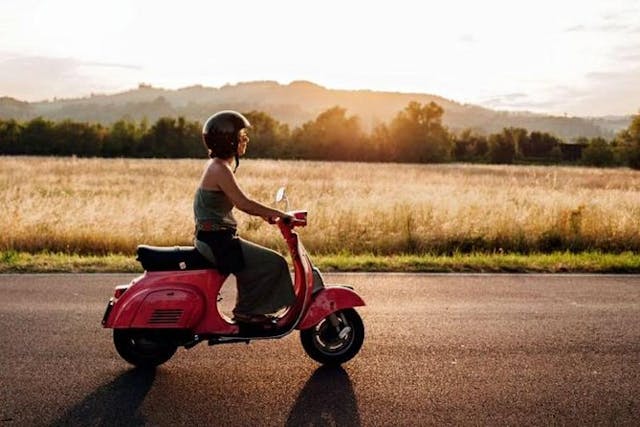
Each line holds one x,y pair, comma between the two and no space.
294,104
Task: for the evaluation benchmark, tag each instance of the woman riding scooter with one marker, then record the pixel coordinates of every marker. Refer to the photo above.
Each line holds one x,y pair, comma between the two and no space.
173,303
262,275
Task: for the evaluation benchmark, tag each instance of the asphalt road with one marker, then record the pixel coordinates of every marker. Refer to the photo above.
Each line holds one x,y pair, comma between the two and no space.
439,349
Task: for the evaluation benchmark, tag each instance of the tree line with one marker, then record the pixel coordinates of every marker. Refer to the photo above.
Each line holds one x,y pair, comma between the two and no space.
416,134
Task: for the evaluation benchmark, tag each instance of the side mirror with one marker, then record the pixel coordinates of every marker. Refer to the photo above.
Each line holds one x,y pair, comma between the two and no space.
281,195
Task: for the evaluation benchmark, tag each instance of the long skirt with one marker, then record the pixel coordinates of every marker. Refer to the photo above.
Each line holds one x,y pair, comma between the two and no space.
264,284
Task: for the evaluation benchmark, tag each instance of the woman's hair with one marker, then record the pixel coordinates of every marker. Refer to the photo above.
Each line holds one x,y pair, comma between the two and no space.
222,147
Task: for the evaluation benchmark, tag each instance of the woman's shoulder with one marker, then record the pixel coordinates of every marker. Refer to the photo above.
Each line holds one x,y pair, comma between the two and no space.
216,165
214,173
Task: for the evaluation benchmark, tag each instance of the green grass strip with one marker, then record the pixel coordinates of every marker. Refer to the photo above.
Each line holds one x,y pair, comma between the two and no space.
560,262
46,262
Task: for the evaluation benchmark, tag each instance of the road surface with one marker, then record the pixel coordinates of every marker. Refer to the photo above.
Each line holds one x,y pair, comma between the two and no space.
439,349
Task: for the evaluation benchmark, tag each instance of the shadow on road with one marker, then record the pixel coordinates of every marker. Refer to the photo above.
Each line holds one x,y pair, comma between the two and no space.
115,403
326,399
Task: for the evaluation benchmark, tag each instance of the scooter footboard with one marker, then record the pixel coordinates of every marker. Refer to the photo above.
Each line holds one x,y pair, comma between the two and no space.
327,301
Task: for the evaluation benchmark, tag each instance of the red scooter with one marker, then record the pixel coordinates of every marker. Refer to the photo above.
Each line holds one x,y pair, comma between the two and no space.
174,303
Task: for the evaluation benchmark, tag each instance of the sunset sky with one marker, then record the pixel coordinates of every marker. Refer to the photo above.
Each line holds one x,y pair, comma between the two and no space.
575,57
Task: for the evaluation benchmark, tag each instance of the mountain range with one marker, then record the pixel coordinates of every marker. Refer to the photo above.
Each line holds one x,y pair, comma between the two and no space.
294,104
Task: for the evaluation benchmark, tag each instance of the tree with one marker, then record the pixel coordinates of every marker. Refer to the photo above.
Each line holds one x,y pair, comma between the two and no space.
380,147
122,139
36,137
10,132
73,138
518,137
418,134
173,138
598,153
469,146
629,141
555,154
502,149
269,137
540,145
331,136
480,147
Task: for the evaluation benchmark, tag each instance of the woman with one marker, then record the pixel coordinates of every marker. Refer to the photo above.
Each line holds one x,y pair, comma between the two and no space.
262,275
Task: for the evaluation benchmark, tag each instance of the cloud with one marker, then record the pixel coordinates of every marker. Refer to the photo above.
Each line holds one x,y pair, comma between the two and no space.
110,65
35,78
626,54
604,93
576,28
621,21
605,27
517,101
624,76
630,57
467,38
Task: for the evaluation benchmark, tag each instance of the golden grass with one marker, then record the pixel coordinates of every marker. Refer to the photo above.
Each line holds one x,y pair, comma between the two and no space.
100,206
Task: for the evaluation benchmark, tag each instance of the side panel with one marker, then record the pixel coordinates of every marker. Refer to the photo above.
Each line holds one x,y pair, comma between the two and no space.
170,308
165,300
125,308
327,301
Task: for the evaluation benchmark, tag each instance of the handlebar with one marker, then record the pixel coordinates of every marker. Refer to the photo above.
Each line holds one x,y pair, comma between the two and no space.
299,219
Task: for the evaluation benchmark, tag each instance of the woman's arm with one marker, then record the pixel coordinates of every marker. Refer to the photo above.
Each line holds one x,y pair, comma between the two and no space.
227,183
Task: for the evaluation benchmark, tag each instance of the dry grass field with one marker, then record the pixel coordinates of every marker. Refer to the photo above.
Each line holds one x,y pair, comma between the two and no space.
100,206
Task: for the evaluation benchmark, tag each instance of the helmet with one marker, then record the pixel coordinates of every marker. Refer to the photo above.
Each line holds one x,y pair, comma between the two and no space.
220,133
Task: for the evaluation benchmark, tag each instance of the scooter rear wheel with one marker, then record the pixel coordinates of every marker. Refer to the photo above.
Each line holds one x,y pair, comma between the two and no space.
143,348
324,344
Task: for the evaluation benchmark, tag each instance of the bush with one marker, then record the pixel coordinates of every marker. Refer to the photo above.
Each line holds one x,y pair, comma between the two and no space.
598,153
501,149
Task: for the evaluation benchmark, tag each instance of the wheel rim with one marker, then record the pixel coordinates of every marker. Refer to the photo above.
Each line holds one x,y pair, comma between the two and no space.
327,340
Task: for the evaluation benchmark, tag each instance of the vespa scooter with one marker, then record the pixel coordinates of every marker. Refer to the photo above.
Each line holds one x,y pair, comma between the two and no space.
174,304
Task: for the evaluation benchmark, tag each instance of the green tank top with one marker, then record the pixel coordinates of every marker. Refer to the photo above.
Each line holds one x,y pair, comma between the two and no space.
212,211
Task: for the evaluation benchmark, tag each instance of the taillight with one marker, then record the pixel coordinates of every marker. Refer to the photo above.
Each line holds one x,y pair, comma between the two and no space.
120,290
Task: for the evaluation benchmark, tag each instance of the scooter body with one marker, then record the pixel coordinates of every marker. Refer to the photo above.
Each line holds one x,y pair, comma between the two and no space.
174,303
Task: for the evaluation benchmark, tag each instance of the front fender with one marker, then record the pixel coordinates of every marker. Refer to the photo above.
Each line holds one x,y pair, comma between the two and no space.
327,301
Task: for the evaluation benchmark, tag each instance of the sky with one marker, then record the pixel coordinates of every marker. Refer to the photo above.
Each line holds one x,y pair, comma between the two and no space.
563,57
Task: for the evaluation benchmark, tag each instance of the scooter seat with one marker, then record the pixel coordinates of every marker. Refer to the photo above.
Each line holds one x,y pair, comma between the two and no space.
157,258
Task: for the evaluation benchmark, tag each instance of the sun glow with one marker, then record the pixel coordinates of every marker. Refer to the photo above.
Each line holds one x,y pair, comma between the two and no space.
497,53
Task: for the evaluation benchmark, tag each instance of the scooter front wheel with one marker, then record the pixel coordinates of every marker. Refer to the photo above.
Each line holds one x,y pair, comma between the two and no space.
143,348
334,340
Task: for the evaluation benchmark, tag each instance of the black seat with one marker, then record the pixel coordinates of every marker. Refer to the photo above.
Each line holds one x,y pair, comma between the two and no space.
156,258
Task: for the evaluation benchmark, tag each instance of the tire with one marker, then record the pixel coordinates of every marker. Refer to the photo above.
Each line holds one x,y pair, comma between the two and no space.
322,343
144,349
